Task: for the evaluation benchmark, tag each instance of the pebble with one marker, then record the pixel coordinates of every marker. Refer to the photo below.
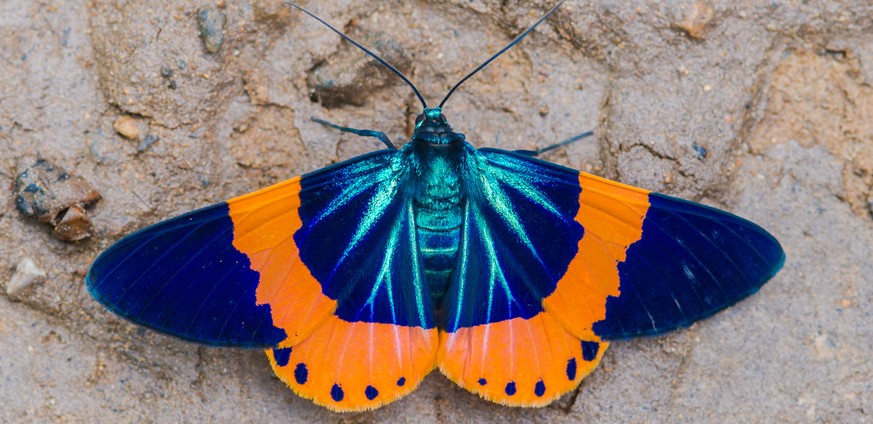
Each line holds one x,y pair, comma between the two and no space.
27,273
700,150
668,178
211,22
73,224
697,17
49,194
147,142
126,127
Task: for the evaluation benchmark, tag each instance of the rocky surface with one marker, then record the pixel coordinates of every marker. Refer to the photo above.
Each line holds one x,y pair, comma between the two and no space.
764,108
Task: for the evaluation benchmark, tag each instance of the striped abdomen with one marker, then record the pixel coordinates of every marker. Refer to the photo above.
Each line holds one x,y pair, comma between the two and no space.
438,237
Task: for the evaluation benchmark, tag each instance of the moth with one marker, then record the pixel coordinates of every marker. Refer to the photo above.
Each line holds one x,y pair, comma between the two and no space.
508,273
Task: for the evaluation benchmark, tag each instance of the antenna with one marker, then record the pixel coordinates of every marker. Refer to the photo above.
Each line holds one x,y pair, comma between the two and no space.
373,55
508,46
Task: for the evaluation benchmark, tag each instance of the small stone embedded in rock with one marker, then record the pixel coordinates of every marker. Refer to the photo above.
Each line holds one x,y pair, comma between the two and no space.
26,274
698,16
49,194
210,22
166,71
700,150
126,127
348,77
73,224
147,142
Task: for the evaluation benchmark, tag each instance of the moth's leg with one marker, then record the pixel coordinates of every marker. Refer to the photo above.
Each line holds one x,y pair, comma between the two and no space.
363,133
542,150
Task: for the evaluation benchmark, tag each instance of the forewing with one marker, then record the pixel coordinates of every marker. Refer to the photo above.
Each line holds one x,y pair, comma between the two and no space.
228,274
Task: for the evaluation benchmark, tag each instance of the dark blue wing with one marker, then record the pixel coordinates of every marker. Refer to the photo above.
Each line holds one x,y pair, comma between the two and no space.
184,277
691,262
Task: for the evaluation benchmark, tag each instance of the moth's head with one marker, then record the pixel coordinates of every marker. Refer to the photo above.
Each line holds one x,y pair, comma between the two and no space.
433,128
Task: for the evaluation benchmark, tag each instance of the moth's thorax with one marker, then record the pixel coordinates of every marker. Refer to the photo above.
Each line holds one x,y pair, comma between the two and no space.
438,180
438,152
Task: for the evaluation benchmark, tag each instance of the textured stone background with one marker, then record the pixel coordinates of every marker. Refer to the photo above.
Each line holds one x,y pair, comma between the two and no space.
779,93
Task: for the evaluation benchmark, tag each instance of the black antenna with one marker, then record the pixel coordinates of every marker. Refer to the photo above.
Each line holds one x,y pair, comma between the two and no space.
356,44
512,43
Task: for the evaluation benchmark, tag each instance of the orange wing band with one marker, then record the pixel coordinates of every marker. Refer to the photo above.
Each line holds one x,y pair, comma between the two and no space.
264,225
357,366
612,217
518,362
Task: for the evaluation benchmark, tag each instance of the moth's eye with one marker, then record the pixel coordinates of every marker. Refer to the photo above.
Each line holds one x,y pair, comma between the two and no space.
418,120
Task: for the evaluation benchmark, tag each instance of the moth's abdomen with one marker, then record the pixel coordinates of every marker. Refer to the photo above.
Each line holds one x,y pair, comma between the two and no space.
439,234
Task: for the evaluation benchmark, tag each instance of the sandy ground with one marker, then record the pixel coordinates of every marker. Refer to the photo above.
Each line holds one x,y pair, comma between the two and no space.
777,93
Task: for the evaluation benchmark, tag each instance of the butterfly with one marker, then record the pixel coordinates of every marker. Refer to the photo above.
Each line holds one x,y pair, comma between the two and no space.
508,273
